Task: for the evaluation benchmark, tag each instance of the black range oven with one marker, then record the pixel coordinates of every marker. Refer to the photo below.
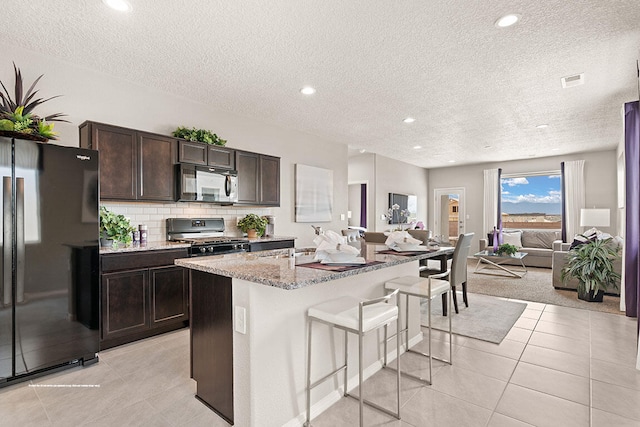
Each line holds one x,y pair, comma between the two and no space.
206,236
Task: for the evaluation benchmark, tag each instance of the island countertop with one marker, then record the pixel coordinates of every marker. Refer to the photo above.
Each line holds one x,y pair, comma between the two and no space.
286,272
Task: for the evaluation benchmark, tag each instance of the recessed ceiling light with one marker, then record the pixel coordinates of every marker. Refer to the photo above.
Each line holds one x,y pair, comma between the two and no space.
119,5
417,147
542,126
507,20
409,120
307,90
452,161
362,150
571,81
555,149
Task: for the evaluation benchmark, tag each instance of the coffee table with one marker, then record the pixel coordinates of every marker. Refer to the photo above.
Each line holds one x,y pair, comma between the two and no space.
491,260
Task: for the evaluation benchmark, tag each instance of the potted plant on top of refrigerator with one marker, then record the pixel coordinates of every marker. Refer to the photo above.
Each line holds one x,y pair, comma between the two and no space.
17,119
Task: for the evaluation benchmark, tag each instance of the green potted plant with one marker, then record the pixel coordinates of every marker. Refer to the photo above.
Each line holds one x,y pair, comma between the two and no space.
253,225
17,119
507,249
592,263
201,135
114,228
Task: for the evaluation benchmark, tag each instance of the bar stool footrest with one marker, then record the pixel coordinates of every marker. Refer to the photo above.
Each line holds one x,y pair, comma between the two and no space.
374,405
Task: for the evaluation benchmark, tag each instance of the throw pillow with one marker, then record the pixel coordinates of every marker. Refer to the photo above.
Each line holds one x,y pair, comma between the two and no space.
513,238
539,239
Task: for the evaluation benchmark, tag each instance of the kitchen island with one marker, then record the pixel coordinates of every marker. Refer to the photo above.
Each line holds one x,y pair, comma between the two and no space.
248,330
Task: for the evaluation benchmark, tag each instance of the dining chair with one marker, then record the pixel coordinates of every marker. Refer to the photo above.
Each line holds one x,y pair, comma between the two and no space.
459,271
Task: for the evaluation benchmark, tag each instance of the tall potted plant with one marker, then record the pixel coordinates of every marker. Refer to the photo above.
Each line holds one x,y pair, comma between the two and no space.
592,263
253,225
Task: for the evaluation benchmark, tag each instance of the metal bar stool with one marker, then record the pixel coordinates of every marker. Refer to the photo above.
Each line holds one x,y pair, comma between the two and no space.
358,317
421,287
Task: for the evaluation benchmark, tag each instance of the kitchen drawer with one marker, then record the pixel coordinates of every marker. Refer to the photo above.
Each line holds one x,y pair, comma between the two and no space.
131,261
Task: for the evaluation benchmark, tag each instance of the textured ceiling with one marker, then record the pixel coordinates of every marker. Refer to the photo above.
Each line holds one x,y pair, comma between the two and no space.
467,83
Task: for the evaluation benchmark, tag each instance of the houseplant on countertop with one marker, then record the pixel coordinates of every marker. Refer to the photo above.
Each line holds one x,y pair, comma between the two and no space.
114,228
253,225
17,119
592,263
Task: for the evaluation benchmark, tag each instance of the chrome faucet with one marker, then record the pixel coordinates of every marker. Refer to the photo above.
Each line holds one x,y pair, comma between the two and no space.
318,230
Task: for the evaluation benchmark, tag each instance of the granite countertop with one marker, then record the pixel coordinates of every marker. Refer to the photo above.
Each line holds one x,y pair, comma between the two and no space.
270,239
151,246
285,272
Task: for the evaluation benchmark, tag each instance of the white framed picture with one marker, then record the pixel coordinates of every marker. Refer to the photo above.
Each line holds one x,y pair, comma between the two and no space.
314,194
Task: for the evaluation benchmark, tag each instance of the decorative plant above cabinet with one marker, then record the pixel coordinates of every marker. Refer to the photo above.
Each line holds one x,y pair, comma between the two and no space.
201,135
16,115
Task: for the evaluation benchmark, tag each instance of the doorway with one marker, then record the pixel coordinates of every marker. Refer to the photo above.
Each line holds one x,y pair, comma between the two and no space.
449,213
357,205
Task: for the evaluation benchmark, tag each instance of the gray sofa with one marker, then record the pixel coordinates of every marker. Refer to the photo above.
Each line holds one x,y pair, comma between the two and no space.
538,245
560,253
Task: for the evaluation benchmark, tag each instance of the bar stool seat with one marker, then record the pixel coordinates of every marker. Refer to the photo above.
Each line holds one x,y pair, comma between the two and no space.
428,288
353,315
345,312
419,286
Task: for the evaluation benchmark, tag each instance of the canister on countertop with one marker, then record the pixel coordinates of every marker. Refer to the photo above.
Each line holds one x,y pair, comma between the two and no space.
143,234
136,238
271,225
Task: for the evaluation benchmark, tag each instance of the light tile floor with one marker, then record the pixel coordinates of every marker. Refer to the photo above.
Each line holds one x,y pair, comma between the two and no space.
557,367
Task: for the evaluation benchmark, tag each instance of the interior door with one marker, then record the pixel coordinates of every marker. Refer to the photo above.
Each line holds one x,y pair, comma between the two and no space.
449,213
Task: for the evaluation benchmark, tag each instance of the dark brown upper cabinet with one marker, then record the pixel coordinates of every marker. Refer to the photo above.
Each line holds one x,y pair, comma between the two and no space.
258,179
199,153
134,165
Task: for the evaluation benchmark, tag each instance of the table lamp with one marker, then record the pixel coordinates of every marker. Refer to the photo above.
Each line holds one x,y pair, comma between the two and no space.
594,217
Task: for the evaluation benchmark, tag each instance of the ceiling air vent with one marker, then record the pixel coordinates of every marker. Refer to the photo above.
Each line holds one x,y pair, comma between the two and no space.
571,81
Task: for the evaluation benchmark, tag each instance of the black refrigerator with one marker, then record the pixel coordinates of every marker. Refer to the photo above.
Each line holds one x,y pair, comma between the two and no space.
49,259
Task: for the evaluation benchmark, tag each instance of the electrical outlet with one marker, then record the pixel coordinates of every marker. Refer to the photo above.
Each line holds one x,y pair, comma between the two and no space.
238,218
241,319
341,217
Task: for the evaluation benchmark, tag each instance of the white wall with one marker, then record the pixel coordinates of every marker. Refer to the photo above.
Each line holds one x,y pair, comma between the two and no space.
93,95
388,176
600,184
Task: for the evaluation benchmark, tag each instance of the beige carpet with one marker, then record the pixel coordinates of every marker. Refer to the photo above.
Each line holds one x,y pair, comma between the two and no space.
535,286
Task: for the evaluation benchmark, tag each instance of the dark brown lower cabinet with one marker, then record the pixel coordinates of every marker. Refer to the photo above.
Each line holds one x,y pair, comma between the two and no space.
212,341
142,296
125,301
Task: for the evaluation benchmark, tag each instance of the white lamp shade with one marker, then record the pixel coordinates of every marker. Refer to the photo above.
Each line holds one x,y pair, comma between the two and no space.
594,218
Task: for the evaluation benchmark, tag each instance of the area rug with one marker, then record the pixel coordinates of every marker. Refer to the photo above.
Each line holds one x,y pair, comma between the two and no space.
487,318
535,286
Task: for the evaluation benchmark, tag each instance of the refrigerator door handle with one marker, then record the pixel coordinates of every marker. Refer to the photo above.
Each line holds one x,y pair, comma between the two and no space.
7,240
20,239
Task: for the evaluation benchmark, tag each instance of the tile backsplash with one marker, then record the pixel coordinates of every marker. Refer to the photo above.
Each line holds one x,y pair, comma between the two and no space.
155,214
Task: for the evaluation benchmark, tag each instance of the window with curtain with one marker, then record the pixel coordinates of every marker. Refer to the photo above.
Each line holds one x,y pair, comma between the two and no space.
531,200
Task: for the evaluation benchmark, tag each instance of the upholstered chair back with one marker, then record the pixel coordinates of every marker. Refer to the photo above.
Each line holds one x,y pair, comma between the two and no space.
459,261
374,237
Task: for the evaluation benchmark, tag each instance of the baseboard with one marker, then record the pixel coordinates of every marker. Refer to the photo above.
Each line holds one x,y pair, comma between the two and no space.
333,397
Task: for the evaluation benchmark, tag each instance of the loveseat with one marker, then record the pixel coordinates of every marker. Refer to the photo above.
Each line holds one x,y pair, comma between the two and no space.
538,244
560,254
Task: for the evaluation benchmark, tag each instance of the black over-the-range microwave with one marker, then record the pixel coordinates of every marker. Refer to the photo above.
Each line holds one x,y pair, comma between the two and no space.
207,184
